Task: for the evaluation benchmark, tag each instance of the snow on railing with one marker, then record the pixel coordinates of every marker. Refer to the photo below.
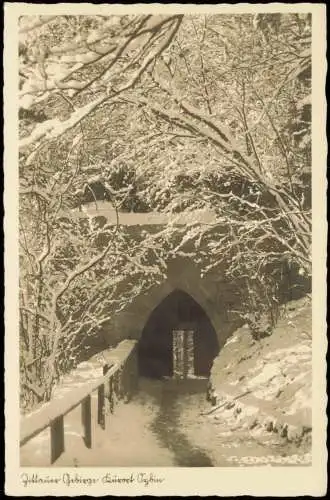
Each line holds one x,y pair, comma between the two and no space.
118,381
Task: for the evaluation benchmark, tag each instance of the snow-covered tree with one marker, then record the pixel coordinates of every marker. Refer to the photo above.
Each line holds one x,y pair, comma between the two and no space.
172,113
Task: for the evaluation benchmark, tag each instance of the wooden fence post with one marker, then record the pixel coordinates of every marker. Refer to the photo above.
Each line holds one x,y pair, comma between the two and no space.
101,406
126,381
116,385
86,417
111,403
121,387
56,438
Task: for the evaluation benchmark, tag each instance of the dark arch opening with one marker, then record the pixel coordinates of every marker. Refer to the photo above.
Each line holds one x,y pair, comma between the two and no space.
177,311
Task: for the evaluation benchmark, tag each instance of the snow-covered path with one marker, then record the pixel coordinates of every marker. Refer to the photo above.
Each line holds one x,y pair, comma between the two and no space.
163,426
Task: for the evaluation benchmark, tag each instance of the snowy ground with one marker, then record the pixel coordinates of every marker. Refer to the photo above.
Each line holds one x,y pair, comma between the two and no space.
163,427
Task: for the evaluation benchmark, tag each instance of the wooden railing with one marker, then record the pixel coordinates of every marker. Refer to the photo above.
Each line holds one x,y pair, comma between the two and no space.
119,381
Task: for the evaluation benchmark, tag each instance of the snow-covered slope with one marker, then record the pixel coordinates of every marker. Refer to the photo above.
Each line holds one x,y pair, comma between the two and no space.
265,386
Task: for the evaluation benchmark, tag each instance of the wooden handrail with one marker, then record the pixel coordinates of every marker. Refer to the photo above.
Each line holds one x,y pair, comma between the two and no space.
52,413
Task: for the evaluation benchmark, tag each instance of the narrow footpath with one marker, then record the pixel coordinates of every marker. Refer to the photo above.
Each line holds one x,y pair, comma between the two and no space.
164,425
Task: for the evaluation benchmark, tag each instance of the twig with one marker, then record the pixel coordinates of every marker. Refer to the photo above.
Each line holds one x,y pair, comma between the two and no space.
226,402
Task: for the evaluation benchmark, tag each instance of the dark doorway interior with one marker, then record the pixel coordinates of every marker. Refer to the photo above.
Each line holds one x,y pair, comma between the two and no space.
177,311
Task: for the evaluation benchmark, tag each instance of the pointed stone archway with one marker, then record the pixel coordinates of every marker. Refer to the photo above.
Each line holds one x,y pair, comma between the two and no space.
179,316
213,298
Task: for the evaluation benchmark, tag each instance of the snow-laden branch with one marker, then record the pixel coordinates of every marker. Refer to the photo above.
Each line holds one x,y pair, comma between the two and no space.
205,126
36,24
52,129
53,73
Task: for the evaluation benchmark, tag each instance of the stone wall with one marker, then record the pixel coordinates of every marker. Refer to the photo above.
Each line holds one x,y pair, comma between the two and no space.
213,294
218,298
